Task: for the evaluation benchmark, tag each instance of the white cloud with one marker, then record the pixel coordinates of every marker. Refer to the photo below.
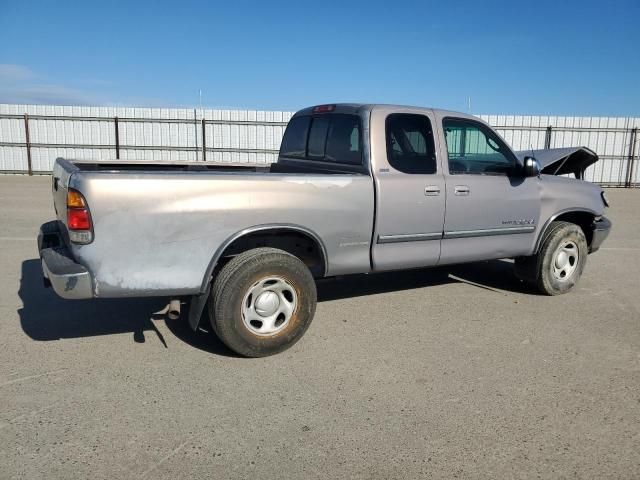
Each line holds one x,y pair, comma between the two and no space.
13,73
18,84
46,95
21,85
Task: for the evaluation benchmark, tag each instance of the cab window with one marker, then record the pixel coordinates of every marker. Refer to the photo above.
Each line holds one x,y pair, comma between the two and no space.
475,149
328,137
410,145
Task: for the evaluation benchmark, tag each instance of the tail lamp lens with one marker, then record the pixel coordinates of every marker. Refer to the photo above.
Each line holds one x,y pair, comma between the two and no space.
78,218
75,199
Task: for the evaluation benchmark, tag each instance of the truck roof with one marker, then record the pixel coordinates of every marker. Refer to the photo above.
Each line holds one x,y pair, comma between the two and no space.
359,108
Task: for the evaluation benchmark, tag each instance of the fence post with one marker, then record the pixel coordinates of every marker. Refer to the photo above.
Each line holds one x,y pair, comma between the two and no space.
195,131
117,130
204,141
632,153
547,138
28,143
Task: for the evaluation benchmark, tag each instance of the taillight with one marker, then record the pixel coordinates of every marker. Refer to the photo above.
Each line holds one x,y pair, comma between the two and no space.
324,108
78,218
75,199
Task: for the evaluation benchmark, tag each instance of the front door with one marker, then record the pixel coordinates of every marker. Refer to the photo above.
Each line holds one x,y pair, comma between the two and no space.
492,209
410,191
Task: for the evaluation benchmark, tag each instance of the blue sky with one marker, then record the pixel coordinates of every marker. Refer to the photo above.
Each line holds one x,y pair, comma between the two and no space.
535,57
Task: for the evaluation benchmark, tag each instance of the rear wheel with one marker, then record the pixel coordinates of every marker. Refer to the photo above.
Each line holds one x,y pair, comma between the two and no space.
262,302
559,263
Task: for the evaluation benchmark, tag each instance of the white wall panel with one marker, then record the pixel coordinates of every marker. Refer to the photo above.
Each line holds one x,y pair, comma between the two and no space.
158,155
258,142
12,130
13,159
42,158
71,132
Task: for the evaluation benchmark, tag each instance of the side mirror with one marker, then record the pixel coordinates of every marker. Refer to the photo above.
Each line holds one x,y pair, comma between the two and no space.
531,167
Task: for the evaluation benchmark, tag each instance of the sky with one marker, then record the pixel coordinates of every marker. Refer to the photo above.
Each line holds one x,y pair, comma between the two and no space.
487,57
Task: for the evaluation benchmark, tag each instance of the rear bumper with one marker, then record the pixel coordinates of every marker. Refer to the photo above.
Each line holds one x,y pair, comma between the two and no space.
601,229
68,278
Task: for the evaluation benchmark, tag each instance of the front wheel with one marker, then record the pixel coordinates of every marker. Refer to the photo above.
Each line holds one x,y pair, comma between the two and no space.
262,302
559,263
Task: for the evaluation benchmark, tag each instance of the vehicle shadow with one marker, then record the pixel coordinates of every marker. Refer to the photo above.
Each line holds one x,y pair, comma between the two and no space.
494,275
46,317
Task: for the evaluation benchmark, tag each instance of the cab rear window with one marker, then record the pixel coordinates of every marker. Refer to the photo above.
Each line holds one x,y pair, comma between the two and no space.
334,138
294,142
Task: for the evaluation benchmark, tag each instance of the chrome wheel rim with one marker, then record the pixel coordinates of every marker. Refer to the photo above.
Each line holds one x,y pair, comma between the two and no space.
268,306
565,261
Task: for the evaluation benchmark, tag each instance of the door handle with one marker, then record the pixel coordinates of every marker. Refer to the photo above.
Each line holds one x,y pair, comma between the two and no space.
462,190
432,190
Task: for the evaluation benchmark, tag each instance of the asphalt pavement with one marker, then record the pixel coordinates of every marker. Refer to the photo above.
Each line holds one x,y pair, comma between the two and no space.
456,372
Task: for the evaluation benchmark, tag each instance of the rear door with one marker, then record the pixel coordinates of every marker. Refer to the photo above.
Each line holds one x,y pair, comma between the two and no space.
492,209
410,190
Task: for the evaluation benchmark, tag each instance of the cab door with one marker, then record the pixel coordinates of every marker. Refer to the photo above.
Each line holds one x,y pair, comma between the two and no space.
492,209
410,190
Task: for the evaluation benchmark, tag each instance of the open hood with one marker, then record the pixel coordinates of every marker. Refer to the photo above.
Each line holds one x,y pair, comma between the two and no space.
560,161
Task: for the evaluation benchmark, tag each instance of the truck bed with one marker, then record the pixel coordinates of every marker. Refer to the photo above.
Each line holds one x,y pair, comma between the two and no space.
157,226
154,166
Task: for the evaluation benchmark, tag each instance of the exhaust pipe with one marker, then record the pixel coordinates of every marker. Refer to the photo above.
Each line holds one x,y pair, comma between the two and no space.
174,309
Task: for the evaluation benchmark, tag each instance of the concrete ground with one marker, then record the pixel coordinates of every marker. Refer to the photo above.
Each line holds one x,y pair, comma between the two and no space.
449,373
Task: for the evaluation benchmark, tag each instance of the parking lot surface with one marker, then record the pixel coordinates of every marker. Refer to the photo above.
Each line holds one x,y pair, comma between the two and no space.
455,372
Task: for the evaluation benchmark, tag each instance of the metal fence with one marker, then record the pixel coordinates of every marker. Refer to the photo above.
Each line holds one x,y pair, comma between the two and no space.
614,139
32,136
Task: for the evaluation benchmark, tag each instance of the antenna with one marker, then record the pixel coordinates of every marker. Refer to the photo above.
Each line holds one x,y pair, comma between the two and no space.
469,104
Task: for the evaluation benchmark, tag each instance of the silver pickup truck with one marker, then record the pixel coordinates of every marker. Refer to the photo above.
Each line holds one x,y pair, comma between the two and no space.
356,189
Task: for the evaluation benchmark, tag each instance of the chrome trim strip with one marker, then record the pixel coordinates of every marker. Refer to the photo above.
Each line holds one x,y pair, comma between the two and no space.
411,237
489,232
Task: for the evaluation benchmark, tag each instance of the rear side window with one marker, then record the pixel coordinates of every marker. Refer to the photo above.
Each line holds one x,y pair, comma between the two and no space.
334,138
410,145
294,143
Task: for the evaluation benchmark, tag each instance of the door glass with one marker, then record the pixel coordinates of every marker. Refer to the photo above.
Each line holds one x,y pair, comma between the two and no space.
474,149
410,146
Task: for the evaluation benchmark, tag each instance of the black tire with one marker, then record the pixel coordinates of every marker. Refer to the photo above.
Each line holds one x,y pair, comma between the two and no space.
232,284
537,270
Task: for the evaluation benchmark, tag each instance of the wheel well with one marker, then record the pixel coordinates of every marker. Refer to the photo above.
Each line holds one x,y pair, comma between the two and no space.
299,244
583,219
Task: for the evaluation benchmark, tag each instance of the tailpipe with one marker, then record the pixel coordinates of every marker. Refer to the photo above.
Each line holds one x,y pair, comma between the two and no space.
174,309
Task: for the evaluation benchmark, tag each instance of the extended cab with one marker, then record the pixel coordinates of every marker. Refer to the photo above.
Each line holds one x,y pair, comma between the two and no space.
356,189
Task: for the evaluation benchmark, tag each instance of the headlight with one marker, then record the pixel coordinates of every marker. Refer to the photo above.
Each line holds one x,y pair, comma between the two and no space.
604,198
